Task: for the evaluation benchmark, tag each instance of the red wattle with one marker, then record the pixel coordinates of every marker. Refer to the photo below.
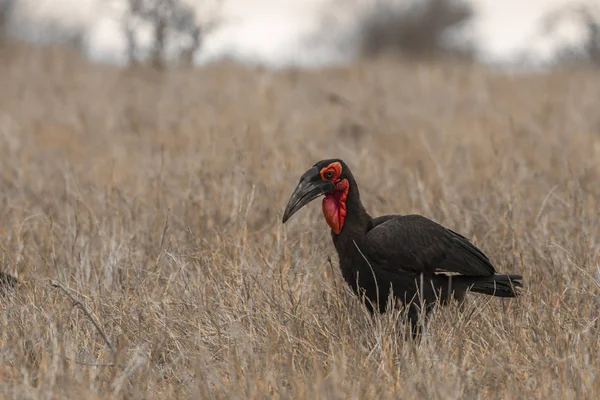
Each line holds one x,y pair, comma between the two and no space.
334,206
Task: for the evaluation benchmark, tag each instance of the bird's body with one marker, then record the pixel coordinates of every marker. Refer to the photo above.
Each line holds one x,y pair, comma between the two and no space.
417,259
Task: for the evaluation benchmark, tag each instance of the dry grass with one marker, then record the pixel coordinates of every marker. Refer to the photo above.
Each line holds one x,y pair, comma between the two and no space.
155,201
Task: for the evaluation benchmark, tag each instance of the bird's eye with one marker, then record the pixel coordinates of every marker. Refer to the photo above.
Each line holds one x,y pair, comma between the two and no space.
329,175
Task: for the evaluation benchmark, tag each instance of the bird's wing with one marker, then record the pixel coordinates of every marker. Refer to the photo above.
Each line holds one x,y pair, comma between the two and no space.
413,243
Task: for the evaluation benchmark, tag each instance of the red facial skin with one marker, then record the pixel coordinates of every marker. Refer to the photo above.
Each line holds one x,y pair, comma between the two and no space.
334,203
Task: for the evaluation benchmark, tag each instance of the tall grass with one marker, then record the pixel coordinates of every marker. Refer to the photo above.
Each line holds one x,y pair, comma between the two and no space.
141,212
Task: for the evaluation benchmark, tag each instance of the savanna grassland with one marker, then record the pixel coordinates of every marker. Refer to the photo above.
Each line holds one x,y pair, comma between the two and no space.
141,212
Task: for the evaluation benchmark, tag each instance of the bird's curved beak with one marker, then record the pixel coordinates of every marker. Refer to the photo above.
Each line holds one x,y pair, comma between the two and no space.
310,187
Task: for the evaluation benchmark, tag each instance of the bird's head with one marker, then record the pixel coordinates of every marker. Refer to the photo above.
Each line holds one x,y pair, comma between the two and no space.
329,178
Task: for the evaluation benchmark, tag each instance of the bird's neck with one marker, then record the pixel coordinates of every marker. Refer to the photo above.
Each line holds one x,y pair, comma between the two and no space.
356,219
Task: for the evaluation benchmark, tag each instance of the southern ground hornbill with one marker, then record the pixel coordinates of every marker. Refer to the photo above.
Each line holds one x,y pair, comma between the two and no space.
411,257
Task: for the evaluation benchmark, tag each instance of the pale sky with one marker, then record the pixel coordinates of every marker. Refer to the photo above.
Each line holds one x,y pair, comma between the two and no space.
274,31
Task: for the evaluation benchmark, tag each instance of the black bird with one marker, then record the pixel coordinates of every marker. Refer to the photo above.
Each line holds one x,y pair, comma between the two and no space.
421,261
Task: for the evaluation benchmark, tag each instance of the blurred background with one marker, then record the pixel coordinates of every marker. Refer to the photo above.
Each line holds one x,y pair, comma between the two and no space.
534,34
148,149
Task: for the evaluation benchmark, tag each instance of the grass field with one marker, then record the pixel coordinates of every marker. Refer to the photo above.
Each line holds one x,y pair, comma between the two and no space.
155,201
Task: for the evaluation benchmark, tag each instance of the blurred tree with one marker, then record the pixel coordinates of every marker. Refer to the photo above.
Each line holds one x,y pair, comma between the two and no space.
413,28
6,7
423,29
17,20
585,52
166,19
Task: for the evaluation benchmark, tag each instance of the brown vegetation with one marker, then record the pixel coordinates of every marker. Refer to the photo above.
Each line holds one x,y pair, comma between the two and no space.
141,213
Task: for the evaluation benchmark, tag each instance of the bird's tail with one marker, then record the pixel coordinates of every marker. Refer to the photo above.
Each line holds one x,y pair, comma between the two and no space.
499,285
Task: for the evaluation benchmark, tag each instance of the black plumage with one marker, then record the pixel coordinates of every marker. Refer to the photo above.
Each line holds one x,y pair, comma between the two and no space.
423,262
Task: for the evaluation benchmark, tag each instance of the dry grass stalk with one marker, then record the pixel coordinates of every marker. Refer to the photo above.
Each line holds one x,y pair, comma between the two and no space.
222,301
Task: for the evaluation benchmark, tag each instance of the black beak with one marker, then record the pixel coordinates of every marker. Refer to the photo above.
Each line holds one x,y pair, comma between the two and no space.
310,187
